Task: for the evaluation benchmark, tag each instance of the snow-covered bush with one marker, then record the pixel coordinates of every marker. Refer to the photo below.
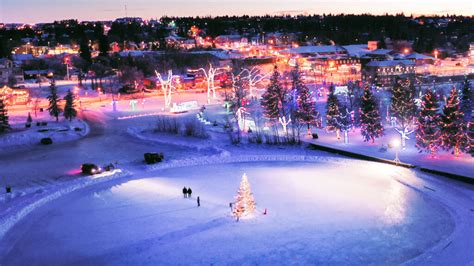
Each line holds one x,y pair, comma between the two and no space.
189,128
167,124
194,128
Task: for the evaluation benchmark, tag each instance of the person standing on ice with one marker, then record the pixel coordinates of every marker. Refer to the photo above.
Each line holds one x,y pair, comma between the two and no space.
198,201
189,192
185,192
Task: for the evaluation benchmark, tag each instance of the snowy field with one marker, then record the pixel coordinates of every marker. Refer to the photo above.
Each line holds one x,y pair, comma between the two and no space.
343,212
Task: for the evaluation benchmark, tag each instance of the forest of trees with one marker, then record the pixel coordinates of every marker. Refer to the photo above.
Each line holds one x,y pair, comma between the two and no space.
425,32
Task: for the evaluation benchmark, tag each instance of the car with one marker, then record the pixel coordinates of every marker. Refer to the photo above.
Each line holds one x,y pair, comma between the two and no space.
153,157
90,169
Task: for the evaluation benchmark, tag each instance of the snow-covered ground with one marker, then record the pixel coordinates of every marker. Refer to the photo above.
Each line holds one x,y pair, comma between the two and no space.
337,212
444,161
321,207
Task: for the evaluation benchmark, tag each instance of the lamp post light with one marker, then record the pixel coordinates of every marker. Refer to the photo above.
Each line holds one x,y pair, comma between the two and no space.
396,144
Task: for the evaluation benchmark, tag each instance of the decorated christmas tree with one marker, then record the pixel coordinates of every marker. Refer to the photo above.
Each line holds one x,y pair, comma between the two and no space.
371,127
305,104
4,125
244,202
427,132
466,101
403,102
275,100
453,129
403,107
333,113
270,100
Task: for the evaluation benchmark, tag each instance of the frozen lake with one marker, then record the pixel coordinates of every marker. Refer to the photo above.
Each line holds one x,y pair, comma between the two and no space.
331,213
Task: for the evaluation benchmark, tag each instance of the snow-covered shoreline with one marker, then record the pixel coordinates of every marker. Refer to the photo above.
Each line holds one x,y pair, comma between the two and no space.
58,132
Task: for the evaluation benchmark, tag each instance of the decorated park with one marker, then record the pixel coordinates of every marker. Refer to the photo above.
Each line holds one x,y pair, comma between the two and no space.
292,139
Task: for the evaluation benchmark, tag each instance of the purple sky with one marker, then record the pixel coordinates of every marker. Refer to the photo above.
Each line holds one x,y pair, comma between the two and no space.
30,11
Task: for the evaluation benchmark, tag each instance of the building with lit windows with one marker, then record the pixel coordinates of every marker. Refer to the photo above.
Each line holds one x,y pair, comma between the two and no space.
384,73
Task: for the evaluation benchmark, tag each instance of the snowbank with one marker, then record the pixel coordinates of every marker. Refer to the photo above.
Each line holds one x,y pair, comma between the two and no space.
58,132
16,213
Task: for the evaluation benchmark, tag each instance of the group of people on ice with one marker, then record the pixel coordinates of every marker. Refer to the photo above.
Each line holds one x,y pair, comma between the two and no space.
187,192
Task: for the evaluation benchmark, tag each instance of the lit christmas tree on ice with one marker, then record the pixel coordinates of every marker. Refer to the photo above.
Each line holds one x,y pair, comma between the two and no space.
244,202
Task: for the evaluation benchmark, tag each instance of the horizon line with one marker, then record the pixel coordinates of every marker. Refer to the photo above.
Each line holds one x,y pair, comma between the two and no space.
274,14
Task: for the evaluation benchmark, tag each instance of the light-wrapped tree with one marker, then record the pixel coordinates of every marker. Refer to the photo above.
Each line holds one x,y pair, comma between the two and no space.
371,126
244,201
427,132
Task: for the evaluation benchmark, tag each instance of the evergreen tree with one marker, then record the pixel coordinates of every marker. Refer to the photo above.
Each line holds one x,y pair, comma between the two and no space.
103,46
4,125
403,103
53,98
245,203
466,101
427,132
275,100
270,101
84,51
371,127
305,103
453,128
29,120
70,108
333,112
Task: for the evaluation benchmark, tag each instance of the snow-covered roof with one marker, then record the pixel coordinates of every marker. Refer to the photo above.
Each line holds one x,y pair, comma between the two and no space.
418,56
315,49
221,54
390,63
380,52
358,50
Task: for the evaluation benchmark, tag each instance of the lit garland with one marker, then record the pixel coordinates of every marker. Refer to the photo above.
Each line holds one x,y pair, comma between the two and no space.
427,132
371,127
453,128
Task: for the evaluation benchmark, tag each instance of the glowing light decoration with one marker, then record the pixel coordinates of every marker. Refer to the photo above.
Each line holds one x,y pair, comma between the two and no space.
167,86
284,123
396,144
344,123
244,201
404,135
210,75
114,105
133,104
253,76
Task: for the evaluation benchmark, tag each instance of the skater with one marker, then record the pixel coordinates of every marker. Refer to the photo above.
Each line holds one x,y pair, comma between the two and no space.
189,192
185,192
198,201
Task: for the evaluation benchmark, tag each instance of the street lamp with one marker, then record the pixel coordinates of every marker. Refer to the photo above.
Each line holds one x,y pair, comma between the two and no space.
396,144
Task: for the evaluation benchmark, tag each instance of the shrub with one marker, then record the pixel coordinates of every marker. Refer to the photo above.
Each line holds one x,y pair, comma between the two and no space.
190,128
193,128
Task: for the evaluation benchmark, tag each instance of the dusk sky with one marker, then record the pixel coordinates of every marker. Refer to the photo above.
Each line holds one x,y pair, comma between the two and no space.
30,11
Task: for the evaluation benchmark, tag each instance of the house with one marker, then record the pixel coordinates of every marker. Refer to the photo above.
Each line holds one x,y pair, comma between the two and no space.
230,41
420,59
384,73
10,73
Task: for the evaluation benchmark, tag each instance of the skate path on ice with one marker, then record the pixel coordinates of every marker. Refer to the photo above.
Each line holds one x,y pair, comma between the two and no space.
145,220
